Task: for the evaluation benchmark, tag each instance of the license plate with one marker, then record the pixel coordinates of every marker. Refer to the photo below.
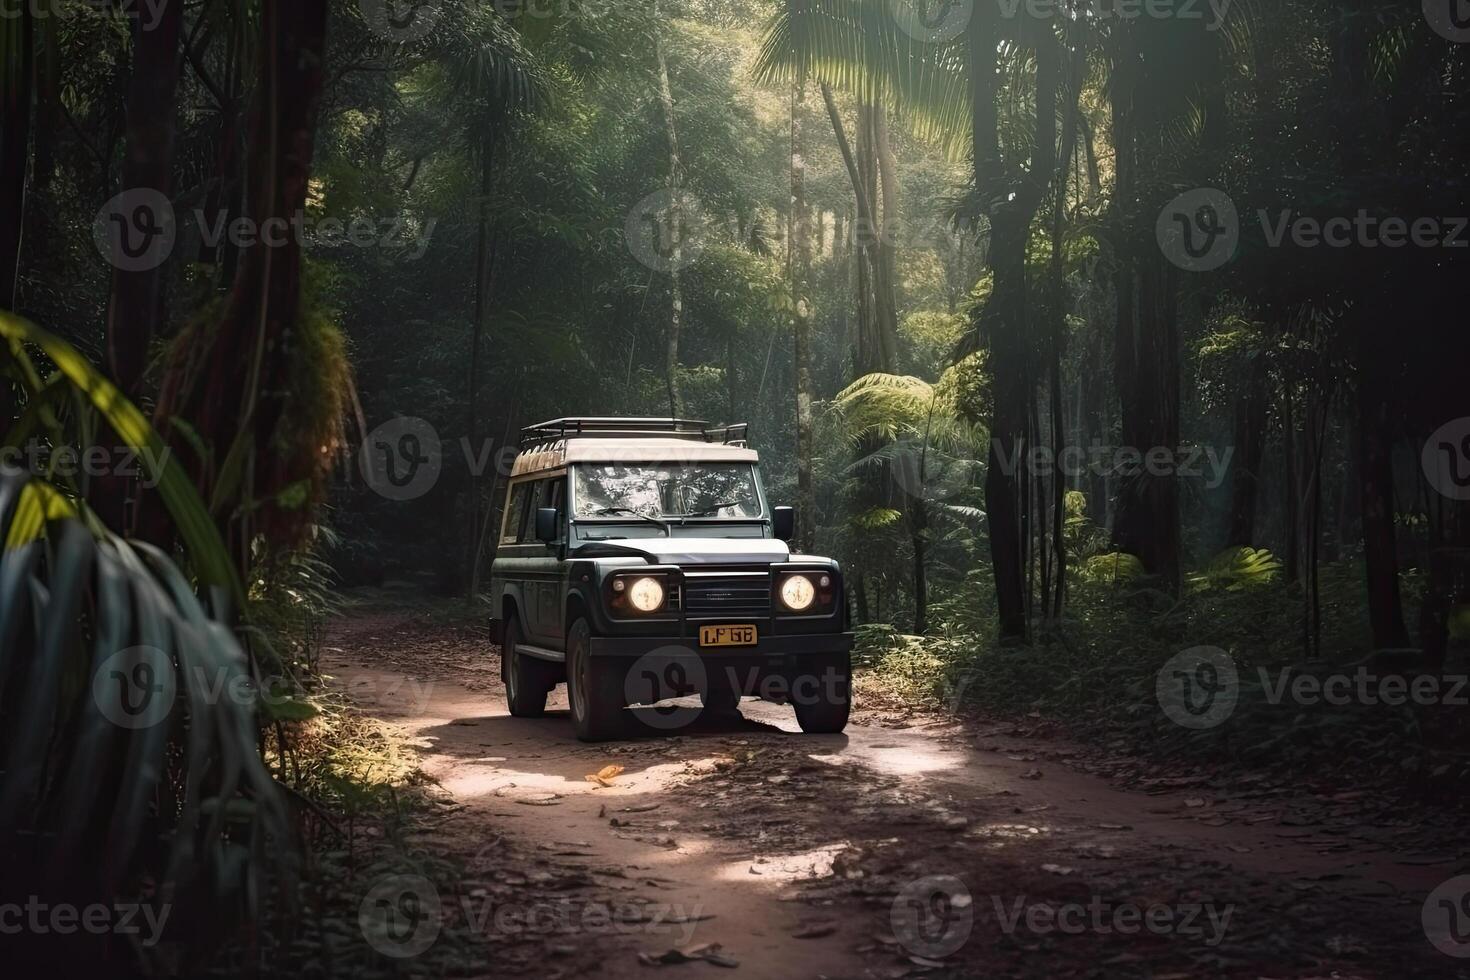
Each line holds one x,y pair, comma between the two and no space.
727,636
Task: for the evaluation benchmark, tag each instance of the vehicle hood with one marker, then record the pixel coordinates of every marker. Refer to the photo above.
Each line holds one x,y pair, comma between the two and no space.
702,551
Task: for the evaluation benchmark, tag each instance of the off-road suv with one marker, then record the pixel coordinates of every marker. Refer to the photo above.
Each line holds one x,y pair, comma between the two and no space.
640,562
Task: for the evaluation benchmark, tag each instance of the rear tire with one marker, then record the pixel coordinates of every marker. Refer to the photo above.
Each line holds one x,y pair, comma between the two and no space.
594,688
527,680
822,708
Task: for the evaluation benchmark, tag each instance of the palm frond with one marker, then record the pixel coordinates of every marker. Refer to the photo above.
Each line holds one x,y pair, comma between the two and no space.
121,717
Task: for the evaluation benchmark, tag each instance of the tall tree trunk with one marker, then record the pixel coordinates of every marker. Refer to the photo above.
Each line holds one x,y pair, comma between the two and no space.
799,260
885,297
862,173
1380,549
485,255
1250,447
676,216
136,308
231,380
1002,326
16,80
1146,347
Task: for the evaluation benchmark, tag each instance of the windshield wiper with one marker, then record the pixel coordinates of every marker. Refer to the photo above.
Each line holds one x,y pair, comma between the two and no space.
713,509
621,511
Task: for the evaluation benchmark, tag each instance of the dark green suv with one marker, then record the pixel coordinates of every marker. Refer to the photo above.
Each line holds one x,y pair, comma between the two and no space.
640,562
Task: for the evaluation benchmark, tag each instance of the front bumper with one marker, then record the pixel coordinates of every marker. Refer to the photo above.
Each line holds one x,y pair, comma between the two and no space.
772,650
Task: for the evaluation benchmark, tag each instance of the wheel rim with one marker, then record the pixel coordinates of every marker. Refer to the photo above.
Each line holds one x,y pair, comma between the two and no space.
579,670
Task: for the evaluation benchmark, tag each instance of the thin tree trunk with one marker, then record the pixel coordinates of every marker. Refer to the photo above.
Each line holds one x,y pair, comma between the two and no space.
676,311
1380,549
16,80
485,256
885,299
1146,348
800,273
136,308
1250,447
231,380
1003,323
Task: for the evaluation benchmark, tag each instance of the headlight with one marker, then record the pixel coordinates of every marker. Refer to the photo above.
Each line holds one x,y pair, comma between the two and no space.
798,593
646,595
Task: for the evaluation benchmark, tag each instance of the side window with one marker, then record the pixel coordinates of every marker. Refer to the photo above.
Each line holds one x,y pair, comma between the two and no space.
515,512
535,491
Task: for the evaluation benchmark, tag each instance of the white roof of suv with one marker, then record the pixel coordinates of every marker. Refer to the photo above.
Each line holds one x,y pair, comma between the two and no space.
622,451
553,445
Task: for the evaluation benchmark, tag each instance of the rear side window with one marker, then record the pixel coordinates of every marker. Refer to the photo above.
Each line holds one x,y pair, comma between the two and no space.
527,498
537,493
515,513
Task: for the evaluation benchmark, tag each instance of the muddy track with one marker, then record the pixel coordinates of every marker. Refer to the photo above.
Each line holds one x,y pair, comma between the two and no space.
908,846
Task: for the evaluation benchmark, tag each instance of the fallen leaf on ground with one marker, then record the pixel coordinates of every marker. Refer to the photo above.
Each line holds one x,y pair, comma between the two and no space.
815,931
604,776
708,953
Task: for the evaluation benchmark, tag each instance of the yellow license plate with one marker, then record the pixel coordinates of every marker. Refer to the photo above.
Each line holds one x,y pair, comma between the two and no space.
727,636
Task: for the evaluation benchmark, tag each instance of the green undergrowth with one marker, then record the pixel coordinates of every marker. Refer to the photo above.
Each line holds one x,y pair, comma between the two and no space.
1096,673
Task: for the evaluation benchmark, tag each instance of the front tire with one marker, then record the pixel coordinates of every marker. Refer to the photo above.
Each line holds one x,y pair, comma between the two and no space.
594,688
822,707
527,680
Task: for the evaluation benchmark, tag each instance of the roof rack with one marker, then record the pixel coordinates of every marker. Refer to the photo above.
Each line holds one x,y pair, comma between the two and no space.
559,430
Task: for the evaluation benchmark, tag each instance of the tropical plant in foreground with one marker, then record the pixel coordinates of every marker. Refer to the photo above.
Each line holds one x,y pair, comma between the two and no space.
129,755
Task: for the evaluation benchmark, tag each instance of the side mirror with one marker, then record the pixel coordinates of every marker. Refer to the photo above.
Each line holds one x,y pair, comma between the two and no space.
783,523
546,529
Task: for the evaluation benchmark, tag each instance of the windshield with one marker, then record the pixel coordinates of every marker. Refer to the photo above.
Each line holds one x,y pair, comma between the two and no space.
663,491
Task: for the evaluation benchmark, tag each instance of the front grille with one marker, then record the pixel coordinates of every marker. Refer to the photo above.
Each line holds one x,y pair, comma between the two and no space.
712,594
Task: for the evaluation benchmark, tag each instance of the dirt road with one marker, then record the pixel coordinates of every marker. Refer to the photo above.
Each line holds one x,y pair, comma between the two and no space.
909,846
